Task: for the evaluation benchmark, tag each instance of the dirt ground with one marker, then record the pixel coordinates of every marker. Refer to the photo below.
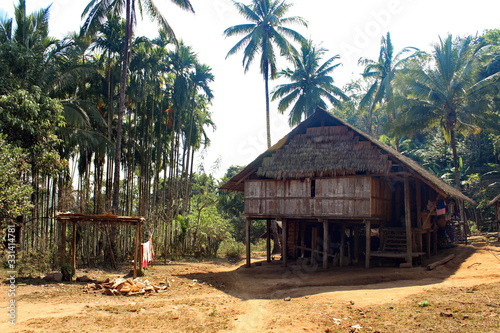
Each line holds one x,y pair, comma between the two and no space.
462,295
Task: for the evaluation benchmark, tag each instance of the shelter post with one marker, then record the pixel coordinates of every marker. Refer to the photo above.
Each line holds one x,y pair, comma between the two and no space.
73,248
419,213
409,254
63,243
136,249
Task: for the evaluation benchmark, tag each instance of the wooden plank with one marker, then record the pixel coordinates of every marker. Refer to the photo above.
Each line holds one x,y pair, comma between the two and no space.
409,249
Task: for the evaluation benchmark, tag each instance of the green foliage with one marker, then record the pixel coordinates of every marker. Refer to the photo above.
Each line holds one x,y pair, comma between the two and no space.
36,262
231,249
15,190
67,272
30,120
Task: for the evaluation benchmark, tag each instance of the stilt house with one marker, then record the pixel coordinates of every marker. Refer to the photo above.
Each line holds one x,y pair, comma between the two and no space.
333,186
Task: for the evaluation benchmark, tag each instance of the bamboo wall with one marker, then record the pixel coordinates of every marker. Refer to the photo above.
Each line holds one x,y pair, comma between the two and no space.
342,197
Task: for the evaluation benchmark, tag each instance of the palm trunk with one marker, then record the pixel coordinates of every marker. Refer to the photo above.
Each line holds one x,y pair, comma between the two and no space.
268,118
121,108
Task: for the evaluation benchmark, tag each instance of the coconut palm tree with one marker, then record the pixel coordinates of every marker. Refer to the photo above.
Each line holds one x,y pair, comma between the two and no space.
96,12
382,72
311,84
265,32
447,94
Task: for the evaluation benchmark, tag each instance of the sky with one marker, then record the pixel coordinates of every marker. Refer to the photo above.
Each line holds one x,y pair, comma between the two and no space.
350,28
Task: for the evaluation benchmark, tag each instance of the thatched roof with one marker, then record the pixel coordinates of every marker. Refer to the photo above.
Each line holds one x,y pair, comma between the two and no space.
324,145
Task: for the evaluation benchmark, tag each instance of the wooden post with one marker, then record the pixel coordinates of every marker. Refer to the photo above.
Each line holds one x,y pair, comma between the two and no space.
356,242
302,239
314,244
342,244
136,250
409,243
247,230
284,224
368,231
428,243
325,244
462,217
435,241
73,248
419,214
268,240
63,243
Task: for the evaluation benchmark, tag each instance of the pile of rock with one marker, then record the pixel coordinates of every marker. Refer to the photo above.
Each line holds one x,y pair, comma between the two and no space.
126,287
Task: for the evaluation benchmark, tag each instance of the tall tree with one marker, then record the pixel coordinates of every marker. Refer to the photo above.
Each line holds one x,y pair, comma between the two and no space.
96,12
265,32
311,83
382,72
447,94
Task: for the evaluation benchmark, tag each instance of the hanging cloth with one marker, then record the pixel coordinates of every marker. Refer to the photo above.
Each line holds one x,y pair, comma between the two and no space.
147,253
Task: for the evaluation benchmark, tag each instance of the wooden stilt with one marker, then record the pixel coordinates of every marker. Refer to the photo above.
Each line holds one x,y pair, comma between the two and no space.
284,224
302,239
73,248
419,214
409,243
429,243
268,240
368,231
325,244
247,230
314,245
356,242
342,244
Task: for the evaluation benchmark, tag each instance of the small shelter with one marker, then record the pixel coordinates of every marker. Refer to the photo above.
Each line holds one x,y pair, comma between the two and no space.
496,204
102,221
333,187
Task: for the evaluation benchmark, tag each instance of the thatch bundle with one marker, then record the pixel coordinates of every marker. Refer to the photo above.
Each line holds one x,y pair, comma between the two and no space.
322,152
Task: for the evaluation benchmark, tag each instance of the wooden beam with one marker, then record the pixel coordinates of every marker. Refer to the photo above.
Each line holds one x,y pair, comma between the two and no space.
325,244
302,239
368,230
268,240
409,242
247,231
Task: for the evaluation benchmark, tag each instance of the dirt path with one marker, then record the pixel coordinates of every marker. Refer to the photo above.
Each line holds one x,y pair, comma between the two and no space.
223,297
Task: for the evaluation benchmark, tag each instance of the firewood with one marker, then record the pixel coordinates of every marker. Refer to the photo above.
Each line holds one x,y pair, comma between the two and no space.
440,262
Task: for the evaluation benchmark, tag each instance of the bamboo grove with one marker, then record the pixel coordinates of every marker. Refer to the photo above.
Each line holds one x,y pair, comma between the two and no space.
69,129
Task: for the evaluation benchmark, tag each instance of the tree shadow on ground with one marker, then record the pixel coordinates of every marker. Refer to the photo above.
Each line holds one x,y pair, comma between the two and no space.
271,280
